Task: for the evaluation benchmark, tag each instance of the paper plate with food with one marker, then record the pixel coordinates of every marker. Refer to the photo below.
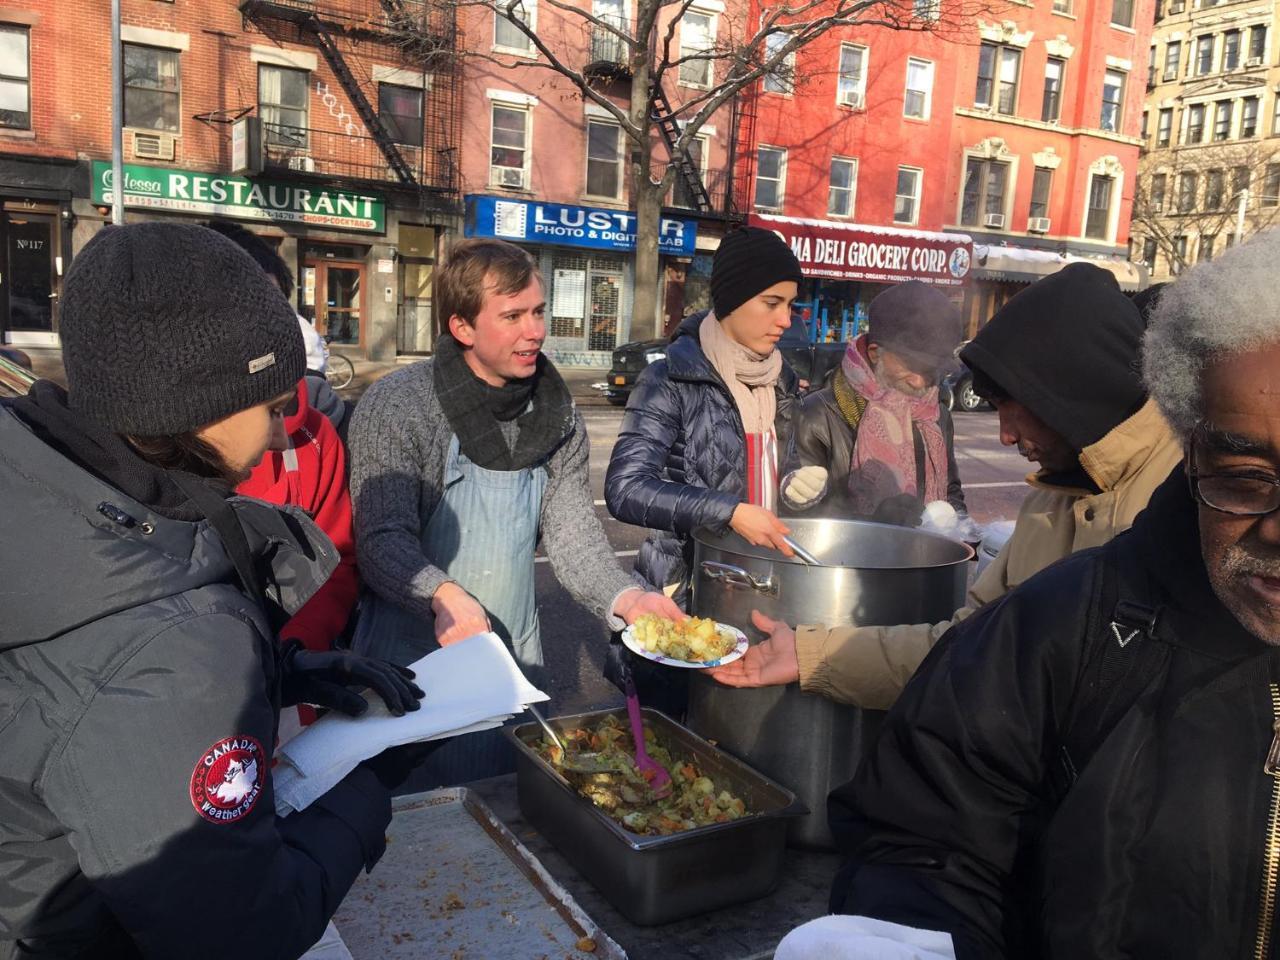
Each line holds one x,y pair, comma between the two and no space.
695,642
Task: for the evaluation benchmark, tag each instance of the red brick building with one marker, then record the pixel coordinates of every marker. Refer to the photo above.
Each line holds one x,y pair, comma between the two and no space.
1021,134
356,178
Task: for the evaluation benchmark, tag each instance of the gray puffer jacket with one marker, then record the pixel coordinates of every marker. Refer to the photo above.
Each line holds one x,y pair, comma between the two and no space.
138,707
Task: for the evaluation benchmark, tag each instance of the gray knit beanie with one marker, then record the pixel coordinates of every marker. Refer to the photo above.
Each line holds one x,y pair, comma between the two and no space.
748,261
168,327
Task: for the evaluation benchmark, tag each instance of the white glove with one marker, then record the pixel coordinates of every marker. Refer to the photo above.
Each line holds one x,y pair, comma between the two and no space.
805,487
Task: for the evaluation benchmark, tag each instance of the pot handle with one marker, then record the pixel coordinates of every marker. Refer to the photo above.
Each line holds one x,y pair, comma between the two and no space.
732,576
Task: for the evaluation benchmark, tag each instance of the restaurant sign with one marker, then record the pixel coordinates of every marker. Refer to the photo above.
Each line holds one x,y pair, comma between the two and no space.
528,221
220,194
839,251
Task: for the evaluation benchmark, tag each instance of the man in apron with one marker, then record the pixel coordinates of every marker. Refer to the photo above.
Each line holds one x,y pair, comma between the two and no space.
460,465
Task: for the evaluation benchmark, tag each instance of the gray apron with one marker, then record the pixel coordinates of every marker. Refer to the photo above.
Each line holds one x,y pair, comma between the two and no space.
483,533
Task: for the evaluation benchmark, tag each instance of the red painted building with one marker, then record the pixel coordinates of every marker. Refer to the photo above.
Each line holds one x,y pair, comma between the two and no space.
1021,133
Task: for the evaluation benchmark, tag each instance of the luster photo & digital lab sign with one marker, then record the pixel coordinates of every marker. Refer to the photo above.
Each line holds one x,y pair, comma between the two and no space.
528,221
838,251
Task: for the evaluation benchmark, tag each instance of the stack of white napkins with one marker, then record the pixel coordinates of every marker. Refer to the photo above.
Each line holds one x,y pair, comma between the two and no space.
470,685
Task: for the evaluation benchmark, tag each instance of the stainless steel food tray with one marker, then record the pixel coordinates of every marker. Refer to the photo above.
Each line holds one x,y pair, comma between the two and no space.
653,880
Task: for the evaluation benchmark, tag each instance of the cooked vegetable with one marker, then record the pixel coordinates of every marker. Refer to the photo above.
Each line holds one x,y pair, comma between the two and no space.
695,640
625,795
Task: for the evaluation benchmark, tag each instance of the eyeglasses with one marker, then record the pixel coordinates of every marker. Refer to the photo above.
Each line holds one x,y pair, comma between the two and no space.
1239,494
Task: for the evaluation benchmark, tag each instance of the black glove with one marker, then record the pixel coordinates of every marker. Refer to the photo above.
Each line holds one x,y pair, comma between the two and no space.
326,678
904,509
393,765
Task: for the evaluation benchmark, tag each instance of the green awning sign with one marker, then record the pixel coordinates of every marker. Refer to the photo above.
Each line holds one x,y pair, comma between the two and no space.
218,194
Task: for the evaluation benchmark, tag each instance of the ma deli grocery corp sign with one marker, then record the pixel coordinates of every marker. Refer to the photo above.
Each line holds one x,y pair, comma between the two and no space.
188,191
832,250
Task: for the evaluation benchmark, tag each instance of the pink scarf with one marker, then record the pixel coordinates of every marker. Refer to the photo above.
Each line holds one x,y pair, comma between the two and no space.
884,453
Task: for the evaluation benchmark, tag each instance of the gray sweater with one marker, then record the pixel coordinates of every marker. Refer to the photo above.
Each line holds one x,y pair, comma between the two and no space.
399,441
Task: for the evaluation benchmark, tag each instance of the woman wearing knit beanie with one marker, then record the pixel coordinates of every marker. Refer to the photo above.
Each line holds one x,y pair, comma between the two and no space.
140,676
706,429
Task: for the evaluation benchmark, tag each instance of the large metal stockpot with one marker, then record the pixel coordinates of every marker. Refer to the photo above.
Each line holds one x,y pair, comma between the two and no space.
873,573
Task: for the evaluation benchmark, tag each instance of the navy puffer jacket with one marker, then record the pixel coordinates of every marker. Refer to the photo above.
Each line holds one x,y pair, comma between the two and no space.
680,459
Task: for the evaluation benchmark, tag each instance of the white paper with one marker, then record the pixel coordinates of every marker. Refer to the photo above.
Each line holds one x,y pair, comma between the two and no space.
471,685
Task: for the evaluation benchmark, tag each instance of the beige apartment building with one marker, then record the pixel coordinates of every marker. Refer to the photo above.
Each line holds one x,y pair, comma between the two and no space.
1209,173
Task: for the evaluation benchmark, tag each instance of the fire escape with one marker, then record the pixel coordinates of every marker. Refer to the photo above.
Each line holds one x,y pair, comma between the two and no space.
410,31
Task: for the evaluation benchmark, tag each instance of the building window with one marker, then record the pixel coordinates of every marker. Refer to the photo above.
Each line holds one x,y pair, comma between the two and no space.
771,175
851,86
1172,60
1149,252
1098,220
919,89
282,105
1187,183
1257,44
1180,250
1204,56
1215,185
509,146
400,109
1231,50
1195,123
1146,124
697,35
1271,186
1248,117
1122,13
682,196
906,201
1061,6
506,34
1151,67
1159,184
1112,99
781,78
984,192
1164,127
604,159
998,78
1275,119
1222,120
1241,178
1041,184
1207,242
927,9
152,90
844,184
1051,106
15,77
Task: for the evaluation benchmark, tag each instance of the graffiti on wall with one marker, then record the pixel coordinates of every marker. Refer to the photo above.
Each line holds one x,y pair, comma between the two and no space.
347,122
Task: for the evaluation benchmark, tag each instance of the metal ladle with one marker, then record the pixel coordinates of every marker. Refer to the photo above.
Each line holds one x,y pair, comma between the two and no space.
575,762
804,555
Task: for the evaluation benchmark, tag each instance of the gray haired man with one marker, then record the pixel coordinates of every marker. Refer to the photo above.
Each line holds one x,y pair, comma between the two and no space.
1091,768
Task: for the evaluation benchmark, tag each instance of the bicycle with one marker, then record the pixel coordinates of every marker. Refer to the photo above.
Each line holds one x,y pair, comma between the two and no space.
339,370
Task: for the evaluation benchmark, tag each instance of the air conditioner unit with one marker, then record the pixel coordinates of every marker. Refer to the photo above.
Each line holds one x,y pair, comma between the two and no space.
512,177
302,164
852,100
1253,62
1037,225
153,146
1177,7
1157,207
994,220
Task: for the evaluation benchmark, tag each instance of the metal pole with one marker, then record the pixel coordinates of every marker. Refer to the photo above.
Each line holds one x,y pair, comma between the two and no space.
117,118
1244,199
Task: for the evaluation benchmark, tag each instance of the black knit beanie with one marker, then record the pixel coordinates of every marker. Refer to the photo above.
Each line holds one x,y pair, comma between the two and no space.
168,327
1068,349
916,321
747,261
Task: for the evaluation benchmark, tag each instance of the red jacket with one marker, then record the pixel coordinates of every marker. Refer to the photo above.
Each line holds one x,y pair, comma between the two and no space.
312,474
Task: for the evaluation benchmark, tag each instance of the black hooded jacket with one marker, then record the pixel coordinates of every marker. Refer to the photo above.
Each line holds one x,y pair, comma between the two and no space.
1165,846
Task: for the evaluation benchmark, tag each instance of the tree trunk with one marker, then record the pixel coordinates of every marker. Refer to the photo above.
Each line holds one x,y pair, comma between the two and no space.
645,321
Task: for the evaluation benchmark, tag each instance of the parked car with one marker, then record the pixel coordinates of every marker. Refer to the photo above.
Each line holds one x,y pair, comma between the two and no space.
955,386
812,362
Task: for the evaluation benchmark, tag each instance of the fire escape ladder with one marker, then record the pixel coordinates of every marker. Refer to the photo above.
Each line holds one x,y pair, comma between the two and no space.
742,150
333,56
670,130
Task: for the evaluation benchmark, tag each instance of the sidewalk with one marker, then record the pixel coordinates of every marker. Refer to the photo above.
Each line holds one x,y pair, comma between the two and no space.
47,363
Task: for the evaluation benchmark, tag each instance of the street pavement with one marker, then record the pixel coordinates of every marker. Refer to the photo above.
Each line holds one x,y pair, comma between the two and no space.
574,641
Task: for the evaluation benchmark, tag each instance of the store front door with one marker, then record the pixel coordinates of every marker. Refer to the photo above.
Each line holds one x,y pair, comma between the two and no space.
29,283
586,304
333,299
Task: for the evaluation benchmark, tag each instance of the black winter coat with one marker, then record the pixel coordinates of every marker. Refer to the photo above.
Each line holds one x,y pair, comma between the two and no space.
825,439
680,459
1164,846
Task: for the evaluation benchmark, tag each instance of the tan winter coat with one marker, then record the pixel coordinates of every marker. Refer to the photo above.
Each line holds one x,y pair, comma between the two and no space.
869,666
